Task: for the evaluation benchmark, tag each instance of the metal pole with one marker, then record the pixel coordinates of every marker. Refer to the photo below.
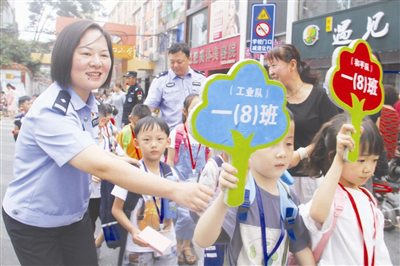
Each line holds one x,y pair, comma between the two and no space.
262,55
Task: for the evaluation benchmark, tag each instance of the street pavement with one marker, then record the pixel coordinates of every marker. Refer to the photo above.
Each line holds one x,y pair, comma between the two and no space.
108,256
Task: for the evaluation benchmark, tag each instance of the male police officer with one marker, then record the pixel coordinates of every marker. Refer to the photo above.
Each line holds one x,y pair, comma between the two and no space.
134,95
170,88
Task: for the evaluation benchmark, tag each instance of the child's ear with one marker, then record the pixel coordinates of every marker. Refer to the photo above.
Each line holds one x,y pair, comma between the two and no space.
136,143
168,142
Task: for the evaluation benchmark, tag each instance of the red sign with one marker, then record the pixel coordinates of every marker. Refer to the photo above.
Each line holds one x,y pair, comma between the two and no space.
217,55
360,76
356,86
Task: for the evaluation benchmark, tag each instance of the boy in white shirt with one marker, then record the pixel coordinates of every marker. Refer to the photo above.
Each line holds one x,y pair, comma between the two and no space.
152,139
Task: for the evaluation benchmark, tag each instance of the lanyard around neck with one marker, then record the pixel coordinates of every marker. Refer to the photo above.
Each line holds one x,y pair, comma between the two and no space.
263,227
353,203
190,150
133,137
160,211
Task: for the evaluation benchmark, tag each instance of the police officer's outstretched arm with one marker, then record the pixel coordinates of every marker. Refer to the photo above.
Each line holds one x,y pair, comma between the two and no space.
194,196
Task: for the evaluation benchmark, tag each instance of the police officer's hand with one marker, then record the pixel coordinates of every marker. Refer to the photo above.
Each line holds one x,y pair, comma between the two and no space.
194,196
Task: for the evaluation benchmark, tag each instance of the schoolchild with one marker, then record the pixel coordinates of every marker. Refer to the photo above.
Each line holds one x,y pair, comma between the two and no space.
152,139
24,104
213,255
246,244
188,157
107,142
126,137
357,237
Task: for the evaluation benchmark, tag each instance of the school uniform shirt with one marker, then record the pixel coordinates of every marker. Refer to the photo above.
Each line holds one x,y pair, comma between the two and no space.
47,190
345,245
152,218
244,238
168,91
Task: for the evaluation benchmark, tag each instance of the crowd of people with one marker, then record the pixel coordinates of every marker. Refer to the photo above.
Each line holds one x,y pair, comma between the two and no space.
70,143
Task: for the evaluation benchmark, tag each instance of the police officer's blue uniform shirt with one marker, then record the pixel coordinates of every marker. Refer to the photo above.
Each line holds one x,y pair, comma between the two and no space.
47,190
168,91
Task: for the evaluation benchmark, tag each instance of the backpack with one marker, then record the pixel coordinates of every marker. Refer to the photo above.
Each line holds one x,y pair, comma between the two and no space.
180,136
288,208
339,200
114,233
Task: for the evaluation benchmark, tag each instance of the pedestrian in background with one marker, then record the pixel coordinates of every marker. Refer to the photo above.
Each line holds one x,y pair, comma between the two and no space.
45,207
135,95
11,101
24,104
170,88
309,104
117,100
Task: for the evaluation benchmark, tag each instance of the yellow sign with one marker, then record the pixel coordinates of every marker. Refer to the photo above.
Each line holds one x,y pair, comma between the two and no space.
123,51
263,15
328,24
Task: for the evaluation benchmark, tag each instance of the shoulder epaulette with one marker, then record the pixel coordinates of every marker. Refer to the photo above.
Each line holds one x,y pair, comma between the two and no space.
62,102
199,72
162,74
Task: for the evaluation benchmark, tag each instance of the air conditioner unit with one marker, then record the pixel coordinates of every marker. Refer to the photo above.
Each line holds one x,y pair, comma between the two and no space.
154,56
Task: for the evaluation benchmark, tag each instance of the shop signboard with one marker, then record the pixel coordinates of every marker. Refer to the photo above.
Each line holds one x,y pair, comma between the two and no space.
376,23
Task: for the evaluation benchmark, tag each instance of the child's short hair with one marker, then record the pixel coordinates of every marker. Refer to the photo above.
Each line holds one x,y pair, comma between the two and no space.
23,99
149,123
140,111
324,151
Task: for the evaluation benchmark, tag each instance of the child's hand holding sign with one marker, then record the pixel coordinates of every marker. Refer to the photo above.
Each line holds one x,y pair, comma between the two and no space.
240,113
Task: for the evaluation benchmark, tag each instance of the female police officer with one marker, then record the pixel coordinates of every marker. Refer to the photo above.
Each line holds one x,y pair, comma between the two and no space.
44,208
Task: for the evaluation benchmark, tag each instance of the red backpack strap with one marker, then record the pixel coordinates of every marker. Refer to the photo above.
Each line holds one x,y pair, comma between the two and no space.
207,153
339,200
180,132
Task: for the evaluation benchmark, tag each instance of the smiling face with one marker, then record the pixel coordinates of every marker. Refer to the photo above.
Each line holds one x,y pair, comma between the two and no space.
280,70
271,162
91,63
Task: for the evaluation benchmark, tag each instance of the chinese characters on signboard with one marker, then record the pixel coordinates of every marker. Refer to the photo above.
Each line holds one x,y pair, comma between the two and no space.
123,51
224,52
343,33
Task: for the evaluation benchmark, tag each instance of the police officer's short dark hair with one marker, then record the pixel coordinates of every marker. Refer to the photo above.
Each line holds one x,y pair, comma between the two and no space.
64,48
179,47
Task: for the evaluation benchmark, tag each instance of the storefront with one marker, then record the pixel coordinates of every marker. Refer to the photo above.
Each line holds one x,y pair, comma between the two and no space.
217,57
377,23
